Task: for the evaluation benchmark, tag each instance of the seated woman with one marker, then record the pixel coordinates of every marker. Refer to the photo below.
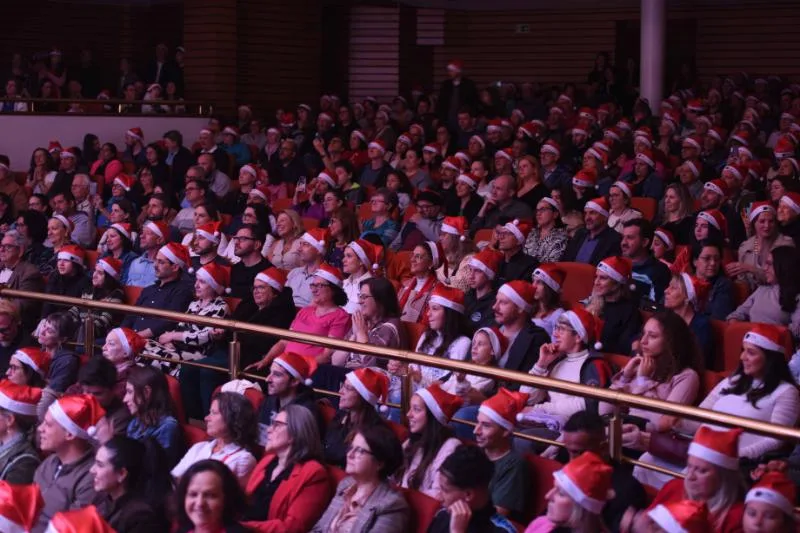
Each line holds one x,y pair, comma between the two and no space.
447,336
18,458
612,302
547,282
580,492
365,501
120,211
619,202
119,241
676,213
59,230
360,262
548,240
458,250
108,164
231,424
189,342
789,216
132,484
754,252
430,439
54,331
105,287
333,200
122,347
383,205
32,225
29,367
663,246
413,297
324,316
775,301
344,230
69,278
769,505
148,400
285,251
290,488
686,295
205,482
361,392
466,202
712,476
707,262
488,346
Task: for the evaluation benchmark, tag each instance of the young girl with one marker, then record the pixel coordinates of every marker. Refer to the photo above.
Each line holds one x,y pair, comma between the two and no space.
397,182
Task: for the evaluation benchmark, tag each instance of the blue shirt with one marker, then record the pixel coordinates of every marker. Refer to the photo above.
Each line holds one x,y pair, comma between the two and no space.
586,250
141,273
167,433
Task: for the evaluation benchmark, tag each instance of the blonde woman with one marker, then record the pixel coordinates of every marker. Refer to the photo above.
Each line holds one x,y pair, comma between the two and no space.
458,248
285,251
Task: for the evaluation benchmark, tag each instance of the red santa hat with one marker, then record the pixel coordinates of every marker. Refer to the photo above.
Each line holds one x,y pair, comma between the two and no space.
417,128
617,268
613,133
564,99
760,207
84,520
231,130
624,187
274,277
372,385
368,253
210,231
125,181
717,133
457,226
287,119
737,171
20,506
463,157
603,109
176,253
453,163
587,481
792,201
405,138
588,327
78,414
715,218
587,113
153,86
469,180
556,110
218,276
124,229
498,341
530,129
598,205
441,404
503,407
520,229
111,266
646,157
456,65
37,359
67,223
262,191
685,516
73,253
666,237
437,254
784,147
494,125
54,146
767,337
585,177
298,366
132,343
360,135
741,136
136,133
330,273
448,297
717,186
624,124
582,128
776,489
697,290
432,148
694,166
327,178
19,399
379,145
720,448
693,141
696,105
551,147
318,238
325,116
520,292
487,261
505,153
550,275
159,228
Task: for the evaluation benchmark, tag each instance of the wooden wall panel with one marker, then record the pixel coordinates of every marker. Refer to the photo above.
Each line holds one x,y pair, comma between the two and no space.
374,64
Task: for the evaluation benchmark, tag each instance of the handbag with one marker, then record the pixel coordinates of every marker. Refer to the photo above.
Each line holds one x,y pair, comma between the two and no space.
670,446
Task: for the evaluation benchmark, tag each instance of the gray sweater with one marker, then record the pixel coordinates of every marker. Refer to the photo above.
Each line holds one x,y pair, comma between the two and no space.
764,306
385,511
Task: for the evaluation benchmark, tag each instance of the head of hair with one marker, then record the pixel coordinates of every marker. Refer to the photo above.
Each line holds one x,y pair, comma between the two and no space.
346,165
551,300
62,323
36,223
678,354
390,197
98,372
304,430
128,208
384,296
697,247
349,220
297,222
646,229
384,446
158,404
454,326
428,443
174,136
784,261
684,198
262,213
468,467
240,419
233,496
211,209
256,232
145,464
20,241
49,164
201,184
586,421
405,183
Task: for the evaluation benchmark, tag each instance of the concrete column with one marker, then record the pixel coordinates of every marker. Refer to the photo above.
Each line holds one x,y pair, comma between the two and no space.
653,40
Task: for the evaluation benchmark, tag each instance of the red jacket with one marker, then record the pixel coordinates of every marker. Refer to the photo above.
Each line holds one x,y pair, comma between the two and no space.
673,492
298,502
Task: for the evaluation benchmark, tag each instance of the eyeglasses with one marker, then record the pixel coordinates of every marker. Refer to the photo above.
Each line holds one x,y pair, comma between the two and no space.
421,207
317,286
563,328
259,288
242,238
192,189
276,424
362,297
8,246
358,451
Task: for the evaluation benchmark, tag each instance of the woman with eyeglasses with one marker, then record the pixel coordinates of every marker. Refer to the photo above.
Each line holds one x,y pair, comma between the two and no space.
707,263
413,297
365,501
53,332
619,202
548,240
383,205
290,487
29,366
343,228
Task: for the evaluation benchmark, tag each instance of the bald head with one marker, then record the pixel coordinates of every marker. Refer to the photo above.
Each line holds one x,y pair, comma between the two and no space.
503,189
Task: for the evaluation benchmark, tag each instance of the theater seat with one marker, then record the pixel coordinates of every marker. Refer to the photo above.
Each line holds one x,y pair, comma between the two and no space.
398,266
734,333
281,204
177,402
193,434
741,291
423,509
131,293
310,223
91,259
364,212
647,206
233,303
255,396
718,336
578,281
485,234
414,331
617,360
541,472
335,474
327,411
708,380
399,430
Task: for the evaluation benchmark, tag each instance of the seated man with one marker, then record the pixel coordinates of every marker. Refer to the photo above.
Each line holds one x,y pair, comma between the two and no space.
501,204
98,378
22,276
13,333
481,296
171,291
83,233
512,312
650,275
142,272
196,193
205,245
516,264
510,486
464,479
247,244
424,225
595,241
64,476
313,246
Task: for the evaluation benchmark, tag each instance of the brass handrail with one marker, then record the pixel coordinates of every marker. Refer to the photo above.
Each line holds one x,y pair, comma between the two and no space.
616,398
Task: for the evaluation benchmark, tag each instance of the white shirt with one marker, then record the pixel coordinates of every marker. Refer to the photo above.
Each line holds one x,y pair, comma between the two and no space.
299,279
457,351
351,288
240,461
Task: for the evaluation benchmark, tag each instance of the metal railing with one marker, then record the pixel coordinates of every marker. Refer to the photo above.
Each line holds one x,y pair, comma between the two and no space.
619,400
112,106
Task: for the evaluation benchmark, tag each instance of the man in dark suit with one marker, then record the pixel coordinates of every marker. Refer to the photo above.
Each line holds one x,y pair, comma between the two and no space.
456,93
597,240
179,158
161,70
20,275
512,312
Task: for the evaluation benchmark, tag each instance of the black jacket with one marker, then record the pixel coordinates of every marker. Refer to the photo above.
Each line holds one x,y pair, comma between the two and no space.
608,245
520,266
467,95
279,313
621,325
479,310
181,162
524,352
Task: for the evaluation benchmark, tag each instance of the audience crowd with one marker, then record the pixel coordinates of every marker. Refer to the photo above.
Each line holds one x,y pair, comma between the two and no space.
575,235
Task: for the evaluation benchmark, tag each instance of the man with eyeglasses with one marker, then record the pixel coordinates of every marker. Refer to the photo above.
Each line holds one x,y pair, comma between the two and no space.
424,225
13,333
196,191
247,244
313,244
20,275
516,264
291,166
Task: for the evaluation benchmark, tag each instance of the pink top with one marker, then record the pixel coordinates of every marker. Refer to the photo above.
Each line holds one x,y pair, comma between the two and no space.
113,169
334,324
540,525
